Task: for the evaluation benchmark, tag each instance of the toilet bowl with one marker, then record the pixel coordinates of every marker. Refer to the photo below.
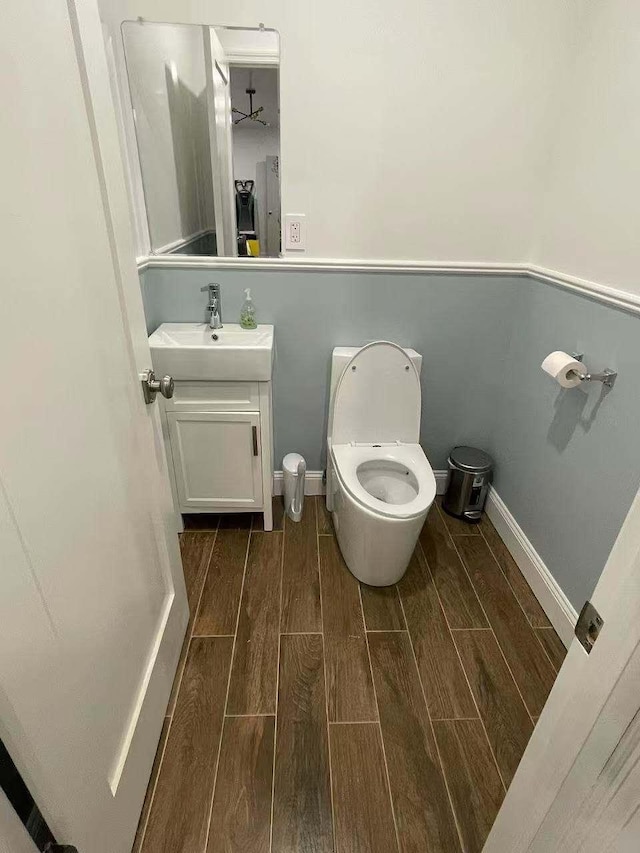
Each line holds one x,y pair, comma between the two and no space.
380,484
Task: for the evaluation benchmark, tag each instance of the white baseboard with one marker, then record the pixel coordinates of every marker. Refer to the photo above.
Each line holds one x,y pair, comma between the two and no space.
314,482
555,603
441,481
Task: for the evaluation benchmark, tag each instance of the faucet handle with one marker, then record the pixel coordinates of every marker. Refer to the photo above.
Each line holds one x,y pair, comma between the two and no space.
210,287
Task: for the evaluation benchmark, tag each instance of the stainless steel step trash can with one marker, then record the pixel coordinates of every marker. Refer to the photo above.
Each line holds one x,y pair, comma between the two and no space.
468,481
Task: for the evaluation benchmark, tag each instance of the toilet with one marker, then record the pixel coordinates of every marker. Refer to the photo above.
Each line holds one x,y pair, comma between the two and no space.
380,484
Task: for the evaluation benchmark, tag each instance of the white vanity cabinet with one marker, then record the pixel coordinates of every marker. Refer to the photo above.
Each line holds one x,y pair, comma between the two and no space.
219,446
218,427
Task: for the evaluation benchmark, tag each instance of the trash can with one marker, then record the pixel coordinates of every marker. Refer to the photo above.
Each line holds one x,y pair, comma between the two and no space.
294,468
468,481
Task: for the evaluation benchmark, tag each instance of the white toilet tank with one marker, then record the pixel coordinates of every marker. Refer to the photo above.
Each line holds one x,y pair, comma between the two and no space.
340,358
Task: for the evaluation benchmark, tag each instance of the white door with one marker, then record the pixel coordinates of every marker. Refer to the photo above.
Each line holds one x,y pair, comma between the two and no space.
220,142
14,838
273,206
92,600
578,785
217,459
599,801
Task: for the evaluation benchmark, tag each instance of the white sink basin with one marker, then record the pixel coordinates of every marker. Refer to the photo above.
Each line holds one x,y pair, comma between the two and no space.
189,351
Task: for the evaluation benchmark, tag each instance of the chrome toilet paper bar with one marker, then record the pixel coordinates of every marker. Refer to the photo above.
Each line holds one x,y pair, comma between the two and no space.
607,377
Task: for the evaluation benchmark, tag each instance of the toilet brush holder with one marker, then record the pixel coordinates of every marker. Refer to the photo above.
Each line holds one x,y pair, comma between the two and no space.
294,468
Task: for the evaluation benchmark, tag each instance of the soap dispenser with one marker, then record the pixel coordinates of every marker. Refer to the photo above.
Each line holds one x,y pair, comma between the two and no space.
248,312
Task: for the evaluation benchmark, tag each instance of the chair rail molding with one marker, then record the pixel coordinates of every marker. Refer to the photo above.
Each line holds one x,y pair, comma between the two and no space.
624,300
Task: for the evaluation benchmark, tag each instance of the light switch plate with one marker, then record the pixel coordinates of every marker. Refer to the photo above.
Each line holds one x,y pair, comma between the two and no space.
295,232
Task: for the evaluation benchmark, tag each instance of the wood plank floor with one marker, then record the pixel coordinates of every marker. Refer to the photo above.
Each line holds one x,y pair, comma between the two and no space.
254,671
363,824
314,714
349,687
242,805
302,785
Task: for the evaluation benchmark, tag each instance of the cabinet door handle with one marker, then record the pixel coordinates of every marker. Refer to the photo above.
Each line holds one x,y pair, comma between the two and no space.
254,431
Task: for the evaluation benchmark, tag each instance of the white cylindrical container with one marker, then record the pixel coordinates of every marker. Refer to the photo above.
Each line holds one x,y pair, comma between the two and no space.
294,468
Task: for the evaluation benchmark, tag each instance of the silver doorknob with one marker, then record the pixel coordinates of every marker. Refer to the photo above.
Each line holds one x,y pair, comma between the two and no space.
151,386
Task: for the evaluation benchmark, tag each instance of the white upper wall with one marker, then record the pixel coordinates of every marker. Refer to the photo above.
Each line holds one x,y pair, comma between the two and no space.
588,221
452,130
250,146
408,131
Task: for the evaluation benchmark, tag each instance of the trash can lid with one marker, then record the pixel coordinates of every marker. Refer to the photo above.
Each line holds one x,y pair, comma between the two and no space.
291,461
471,459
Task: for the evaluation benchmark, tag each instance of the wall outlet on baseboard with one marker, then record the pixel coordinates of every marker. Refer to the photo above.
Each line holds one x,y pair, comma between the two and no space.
295,232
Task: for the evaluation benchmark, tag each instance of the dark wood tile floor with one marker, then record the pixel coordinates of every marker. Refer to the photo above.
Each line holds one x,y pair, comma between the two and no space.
311,714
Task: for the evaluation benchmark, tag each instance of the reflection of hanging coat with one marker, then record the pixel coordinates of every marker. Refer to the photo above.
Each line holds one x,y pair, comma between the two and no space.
245,207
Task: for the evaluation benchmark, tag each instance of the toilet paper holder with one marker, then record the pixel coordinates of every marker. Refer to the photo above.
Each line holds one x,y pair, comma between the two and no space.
607,376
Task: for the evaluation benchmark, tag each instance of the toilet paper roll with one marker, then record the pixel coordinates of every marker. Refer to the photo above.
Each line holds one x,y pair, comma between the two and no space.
563,368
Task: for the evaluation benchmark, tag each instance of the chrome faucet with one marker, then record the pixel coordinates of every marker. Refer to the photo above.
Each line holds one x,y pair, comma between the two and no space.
214,307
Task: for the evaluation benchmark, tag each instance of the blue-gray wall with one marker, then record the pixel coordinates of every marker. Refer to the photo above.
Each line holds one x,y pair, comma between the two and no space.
567,462
457,325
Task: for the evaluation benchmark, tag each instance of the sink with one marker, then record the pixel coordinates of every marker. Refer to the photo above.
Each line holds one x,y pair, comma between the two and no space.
189,351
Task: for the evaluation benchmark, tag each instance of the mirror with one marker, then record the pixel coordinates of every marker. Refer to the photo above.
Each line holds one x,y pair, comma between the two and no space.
205,104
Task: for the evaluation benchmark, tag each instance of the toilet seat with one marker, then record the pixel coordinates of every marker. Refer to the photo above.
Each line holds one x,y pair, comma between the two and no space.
377,398
348,459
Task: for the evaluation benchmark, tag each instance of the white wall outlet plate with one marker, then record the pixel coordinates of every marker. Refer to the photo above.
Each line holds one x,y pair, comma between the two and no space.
295,232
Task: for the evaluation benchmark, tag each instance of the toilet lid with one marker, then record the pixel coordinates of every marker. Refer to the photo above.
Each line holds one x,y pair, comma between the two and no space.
378,397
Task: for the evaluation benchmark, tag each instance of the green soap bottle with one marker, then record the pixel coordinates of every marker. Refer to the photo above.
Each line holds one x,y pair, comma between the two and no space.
248,312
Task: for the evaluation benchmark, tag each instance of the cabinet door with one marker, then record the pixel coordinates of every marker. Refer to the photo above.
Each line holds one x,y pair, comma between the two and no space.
216,457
